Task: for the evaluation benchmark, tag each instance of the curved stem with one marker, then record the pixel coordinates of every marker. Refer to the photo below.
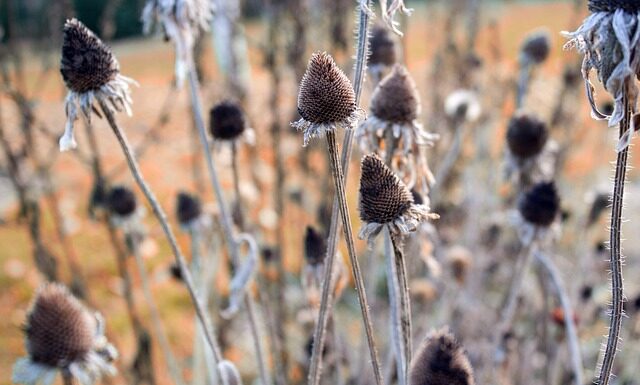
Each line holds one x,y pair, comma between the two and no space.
616,255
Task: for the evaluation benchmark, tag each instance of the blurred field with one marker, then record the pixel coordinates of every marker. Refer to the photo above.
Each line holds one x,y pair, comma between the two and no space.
167,165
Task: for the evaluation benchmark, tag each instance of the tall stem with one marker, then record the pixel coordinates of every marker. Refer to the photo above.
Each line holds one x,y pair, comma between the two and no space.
398,351
326,301
404,302
338,179
162,218
616,255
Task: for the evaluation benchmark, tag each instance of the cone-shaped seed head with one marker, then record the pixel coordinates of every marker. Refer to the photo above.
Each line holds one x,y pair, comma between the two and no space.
87,63
396,98
541,204
326,94
188,208
441,360
383,196
526,135
226,121
630,6
315,247
59,328
121,201
382,47
536,47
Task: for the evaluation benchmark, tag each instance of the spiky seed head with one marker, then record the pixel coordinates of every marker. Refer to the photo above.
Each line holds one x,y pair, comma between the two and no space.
382,47
87,63
441,360
59,329
121,201
541,204
631,6
526,135
383,196
315,247
227,121
536,47
326,94
188,207
396,98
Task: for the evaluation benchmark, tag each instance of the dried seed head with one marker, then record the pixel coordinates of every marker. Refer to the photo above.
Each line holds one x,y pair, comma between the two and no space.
460,261
121,201
631,6
188,208
396,98
326,94
536,47
59,329
541,204
87,63
526,135
315,247
383,196
441,360
599,204
227,121
382,47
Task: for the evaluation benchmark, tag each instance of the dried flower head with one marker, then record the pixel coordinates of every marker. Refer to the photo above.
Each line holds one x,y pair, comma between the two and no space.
526,135
91,72
441,360
315,247
609,41
386,201
188,208
182,21
227,121
460,261
463,105
396,98
382,48
61,334
535,48
326,99
540,205
121,201
598,204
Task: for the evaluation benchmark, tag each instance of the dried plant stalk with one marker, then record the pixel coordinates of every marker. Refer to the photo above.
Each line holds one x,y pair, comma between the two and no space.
404,304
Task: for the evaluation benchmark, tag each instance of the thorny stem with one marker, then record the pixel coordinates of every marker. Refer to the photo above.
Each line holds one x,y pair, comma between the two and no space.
338,179
162,218
161,333
326,301
404,304
225,218
572,334
616,255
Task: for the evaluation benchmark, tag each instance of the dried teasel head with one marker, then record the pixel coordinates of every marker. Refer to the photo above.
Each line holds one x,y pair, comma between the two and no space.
326,99
382,47
629,6
315,247
188,208
540,205
227,121
396,98
121,201
526,135
535,48
441,360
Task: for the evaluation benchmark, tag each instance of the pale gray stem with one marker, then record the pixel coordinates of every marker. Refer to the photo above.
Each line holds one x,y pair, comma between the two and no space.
404,303
523,83
162,218
395,306
326,301
572,334
338,180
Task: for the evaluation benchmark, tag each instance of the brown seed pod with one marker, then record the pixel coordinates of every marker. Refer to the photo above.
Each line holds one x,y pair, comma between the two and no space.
526,135
227,121
541,204
326,94
383,196
396,98
441,360
536,47
382,47
631,6
87,63
121,201
59,329
188,208
315,247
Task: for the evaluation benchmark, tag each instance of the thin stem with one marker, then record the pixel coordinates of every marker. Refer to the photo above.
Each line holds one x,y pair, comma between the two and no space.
162,218
523,84
616,255
572,334
399,356
338,179
444,169
236,184
405,304
326,301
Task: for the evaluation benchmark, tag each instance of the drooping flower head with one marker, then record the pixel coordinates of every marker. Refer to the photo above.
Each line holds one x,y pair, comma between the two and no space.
182,21
609,39
62,335
441,360
386,201
91,73
326,99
